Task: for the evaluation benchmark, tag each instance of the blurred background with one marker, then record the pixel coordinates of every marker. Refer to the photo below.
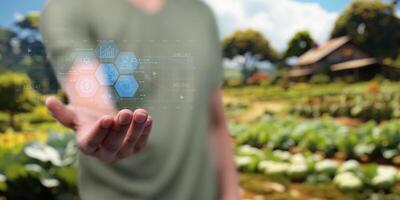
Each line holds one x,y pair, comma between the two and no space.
311,94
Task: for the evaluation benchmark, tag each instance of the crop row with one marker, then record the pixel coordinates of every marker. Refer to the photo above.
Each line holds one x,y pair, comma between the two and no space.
347,176
323,135
366,106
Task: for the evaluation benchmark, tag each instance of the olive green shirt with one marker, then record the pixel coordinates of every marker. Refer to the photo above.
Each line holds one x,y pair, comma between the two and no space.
179,65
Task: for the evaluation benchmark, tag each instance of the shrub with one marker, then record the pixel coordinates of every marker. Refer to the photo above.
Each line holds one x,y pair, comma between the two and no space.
40,114
320,79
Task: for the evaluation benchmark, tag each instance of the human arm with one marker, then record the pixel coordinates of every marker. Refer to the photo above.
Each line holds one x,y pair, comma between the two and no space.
222,148
102,130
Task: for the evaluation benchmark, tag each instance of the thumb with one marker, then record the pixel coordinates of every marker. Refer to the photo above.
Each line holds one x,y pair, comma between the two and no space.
60,112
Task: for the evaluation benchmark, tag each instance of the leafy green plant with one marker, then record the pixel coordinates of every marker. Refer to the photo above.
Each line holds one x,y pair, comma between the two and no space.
326,136
40,170
366,106
349,176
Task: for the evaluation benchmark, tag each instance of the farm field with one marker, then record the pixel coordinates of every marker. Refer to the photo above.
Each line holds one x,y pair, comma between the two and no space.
336,141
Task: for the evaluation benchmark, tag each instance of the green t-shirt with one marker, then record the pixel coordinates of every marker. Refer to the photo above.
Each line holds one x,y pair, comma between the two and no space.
179,65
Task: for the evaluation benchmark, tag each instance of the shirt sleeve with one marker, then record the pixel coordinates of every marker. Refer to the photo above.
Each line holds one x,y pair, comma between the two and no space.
64,29
214,52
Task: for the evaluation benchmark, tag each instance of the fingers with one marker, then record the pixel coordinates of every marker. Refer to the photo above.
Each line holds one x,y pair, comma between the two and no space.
142,141
60,112
89,143
111,138
139,123
113,142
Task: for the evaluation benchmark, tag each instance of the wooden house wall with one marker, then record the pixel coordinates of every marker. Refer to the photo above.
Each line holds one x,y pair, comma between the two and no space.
345,53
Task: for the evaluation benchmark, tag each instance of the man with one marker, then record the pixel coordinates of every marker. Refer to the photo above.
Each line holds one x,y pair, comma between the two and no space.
170,141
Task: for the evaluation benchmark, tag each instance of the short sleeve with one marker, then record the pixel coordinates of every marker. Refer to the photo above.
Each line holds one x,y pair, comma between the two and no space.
64,29
214,52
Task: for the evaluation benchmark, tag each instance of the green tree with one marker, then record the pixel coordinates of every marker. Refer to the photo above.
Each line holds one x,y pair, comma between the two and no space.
30,21
21,50
299,44
16,94
6,57
39,68
372,25
253,46
248,41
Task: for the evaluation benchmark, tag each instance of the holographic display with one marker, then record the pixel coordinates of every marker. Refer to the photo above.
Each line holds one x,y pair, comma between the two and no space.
126,86
86,86
107,74
85,57
137,76
106,50
126,62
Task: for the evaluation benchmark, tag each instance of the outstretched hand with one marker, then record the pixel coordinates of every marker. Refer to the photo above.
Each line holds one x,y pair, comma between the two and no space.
110,137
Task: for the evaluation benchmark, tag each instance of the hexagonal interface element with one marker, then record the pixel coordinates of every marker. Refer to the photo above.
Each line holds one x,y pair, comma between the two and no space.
107,74
86,86
105,99
126,86
126,62
106,50
85,58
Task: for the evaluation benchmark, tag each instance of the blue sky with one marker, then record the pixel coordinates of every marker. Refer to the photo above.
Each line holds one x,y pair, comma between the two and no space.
9,7
278,20
330,5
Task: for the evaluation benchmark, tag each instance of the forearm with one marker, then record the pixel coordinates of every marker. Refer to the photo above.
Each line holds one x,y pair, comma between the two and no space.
228,180
222,148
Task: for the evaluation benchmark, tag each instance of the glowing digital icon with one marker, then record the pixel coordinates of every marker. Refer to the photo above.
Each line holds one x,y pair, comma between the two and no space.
127,62
107,98
107,74
106,50
85,58
126,86
86,86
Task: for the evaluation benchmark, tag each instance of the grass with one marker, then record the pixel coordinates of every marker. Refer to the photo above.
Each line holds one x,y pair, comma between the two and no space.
260,187
301,90
257,186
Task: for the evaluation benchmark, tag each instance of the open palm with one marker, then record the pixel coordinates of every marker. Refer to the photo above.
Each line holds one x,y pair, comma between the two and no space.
104,136
101,130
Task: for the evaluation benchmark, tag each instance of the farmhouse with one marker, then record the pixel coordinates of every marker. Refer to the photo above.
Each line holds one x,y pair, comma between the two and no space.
337,57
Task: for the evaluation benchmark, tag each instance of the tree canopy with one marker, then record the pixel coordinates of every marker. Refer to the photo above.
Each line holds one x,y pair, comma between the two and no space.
372,25
299,44
5,47
248,41
16,94
30,21
21,50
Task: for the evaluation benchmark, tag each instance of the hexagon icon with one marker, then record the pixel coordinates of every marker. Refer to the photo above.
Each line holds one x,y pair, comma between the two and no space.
107,98
106,50
104,99
85,58
126,62
107,74
126,86
86,86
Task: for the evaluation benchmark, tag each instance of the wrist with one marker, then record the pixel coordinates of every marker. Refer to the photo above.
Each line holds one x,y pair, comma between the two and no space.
231,193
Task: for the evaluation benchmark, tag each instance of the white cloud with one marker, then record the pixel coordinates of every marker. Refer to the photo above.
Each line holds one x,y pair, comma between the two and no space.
18,16
277,20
